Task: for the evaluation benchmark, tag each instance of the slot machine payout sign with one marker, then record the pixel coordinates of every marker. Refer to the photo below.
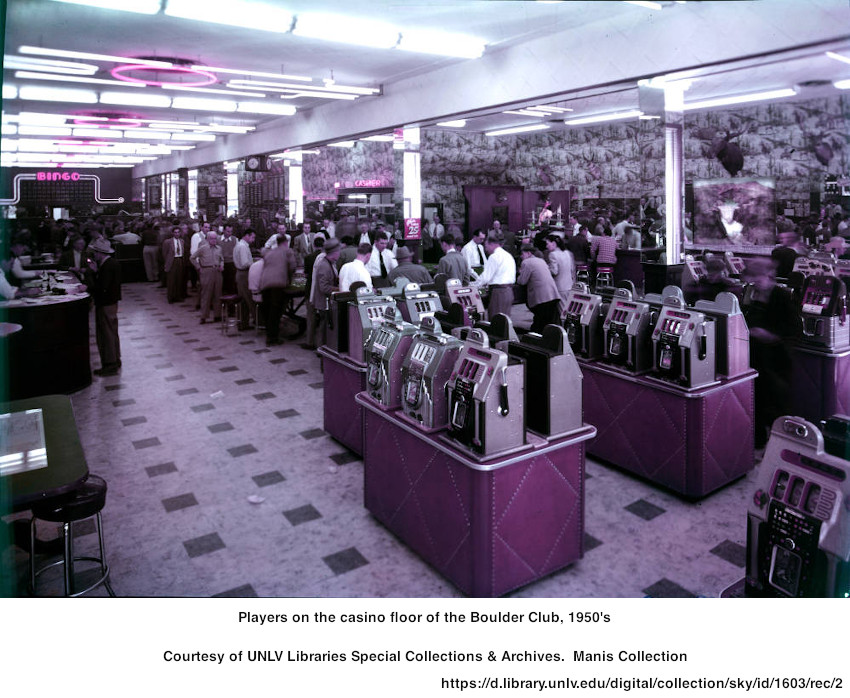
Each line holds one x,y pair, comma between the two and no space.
412,229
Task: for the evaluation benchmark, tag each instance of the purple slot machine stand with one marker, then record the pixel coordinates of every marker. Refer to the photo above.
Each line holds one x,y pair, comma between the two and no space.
488,527
692,442
820,383
343,417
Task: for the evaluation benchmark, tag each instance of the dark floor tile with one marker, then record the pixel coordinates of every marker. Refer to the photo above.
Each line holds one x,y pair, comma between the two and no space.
172,327
264,396
731,552
244,450
228,369
262,351
665,589
280,360
344,457
245,381
222,426
167,365
161,469
297,372
345,561
317,386
246,591
283,414
247,341
302,514
193,340
272,477
133,420
154,356
590,542
202,349
147,443
187,391
123,403
117,386
84,528
181,501
180,334
206,407
312,433
215,358
178,377
644,509
203,545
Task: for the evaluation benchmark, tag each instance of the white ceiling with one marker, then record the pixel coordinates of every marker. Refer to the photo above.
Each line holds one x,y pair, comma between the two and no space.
598,46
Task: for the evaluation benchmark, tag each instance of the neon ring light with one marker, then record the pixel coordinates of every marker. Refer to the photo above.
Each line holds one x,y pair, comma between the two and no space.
118,72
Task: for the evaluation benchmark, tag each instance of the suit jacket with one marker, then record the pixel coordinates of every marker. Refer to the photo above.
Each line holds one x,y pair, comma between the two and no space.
325,282
541,286
168,252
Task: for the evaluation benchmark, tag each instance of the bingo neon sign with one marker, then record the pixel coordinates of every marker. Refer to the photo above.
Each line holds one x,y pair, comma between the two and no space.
44,176
57,176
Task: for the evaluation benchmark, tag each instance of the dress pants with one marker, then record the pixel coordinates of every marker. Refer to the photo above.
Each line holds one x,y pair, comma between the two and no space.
210,291
150,256
501,301
175,282
246,298
106,334
273,301
228,278
545,314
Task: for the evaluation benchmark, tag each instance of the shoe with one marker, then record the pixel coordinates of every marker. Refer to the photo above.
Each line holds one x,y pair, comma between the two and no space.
113,371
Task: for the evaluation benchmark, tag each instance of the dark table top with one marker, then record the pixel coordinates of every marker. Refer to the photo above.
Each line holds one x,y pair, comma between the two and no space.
66,462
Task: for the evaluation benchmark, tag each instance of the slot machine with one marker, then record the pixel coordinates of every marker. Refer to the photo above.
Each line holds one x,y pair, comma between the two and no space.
626,333
553,397
583,321
798,533
824,313
425,372
338,321
385,352
683,347
456,316
469,298
842,270
696,269
732,337
416,304
365,313
485,398
500,330
734,265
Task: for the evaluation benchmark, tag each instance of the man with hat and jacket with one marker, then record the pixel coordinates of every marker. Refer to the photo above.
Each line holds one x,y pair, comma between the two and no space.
408,268
104,285
325,282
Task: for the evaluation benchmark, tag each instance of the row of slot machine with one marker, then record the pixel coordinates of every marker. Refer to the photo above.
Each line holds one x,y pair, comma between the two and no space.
452,370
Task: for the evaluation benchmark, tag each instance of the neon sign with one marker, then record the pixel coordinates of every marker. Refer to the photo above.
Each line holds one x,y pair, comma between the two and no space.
57,176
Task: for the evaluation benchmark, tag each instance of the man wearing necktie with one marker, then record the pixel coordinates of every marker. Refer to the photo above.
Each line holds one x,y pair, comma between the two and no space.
382,261
172,254
473,252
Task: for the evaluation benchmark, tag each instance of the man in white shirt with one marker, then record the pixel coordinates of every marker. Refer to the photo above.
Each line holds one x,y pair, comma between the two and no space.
330,227
242,261
499,274
382,261
198,237
356,270
271,243
473,252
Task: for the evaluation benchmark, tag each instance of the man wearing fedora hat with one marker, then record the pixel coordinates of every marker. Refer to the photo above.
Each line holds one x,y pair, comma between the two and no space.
325,282
409,269
105,288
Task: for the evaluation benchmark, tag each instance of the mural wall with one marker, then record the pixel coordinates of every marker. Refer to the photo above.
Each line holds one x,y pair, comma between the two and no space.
367,160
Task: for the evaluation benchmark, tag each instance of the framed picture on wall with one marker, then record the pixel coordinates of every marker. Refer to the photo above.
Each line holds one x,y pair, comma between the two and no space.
735,213
501,213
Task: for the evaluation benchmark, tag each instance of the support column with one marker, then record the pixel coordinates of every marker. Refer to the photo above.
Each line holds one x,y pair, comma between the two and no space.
411,185
674,176
295,188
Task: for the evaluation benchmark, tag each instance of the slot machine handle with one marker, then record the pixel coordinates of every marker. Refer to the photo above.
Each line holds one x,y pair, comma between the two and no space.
843,313
703,343
504,407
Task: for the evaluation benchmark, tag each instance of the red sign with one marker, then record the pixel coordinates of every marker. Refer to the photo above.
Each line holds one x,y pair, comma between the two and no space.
412,228
57,176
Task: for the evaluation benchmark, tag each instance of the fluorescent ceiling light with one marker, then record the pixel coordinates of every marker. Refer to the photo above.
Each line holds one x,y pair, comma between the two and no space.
29,75
8,129
56,94
39,119
44,130
145,7
441,43
44,64
516,129
147,134
524,112
210,90
740,99
252,73
838,57
192,137
341,144
200,104
38,51
842,84
98,133
251,15
267,84
549,107
598,118
346,30
266,108
644,3
310,93
10,92
379,138
131,99
456,123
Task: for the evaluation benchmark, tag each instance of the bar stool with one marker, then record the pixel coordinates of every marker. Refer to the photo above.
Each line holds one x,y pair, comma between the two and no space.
583,274
227,302
84,502
604,276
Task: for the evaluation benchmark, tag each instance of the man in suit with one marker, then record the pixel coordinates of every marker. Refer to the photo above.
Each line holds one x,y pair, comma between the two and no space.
105,288
172,255
325,282
453,264
543,295
302,244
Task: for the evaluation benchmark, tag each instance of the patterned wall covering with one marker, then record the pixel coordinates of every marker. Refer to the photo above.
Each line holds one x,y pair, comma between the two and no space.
795,143
366,160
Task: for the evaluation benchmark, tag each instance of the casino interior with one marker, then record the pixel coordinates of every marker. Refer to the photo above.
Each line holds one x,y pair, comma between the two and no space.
639,388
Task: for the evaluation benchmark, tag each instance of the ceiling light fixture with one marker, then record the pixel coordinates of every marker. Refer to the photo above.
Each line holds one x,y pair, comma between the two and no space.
201,104
98,133
740,99
599,118
441,43
44,130
29,75
252,73
119,72
323,95
251,15
341,144
264,84
56,94
346,30
838,57
516,129
145,7
130,99
210,90
455,123
524,112
145,133
44,64
646,4
379,138
10,92
266,108
38,51
842,84
192,137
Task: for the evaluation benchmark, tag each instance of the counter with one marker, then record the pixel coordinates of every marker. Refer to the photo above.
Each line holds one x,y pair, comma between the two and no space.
343,417
820,382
